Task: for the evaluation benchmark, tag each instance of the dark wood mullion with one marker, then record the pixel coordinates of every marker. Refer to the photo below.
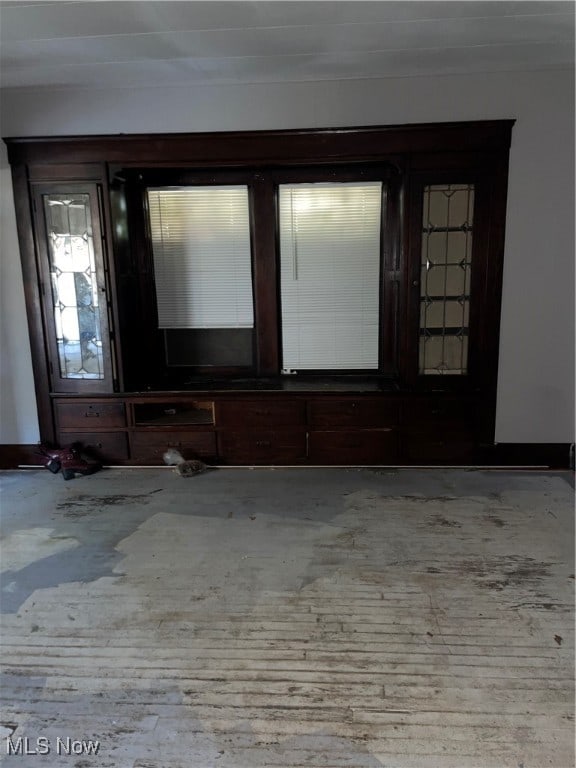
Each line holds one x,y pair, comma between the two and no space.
148,341
126,275
391,275
265,276
38,337
102,283
495,266
410,319
111,282
489,334
479,314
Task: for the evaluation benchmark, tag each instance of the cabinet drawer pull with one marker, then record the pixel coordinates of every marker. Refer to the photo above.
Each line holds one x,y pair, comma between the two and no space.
93,414
263,443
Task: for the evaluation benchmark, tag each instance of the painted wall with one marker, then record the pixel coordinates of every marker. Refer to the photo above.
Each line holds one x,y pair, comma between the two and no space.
536,374
18,414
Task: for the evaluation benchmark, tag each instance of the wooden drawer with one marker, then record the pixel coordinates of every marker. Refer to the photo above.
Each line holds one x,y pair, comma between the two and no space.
455,448
149,447
260,413
262,447
108,447
89,415
428,413
353,413
367,446
173,413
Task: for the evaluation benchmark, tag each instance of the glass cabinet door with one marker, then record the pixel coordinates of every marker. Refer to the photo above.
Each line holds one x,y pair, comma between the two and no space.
443,268
74,287
445,278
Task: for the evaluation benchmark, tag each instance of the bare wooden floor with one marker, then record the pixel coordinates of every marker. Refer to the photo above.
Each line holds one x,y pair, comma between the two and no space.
289,618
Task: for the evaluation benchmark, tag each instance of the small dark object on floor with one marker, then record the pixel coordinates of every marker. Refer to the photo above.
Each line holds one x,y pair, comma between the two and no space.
68,459
558,639
191,467
49,458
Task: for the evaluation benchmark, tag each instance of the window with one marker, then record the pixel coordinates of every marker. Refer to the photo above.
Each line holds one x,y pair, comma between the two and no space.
446,262
330,275
74,285
203,273
318,238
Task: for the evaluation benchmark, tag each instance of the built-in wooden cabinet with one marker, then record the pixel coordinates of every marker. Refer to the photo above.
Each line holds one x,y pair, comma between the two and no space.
274,428
110,376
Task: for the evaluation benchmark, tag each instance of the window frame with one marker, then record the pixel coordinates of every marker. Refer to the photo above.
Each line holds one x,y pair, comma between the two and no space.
411,155
137,183
482,342
58,381
388,174
263,186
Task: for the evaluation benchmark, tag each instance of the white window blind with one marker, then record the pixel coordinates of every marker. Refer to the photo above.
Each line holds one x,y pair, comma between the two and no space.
330,274
202,264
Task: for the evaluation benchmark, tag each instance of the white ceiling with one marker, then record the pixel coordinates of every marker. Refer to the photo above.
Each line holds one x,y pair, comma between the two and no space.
132,44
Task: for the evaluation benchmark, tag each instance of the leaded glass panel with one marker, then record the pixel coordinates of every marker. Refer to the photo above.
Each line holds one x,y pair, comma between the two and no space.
74,285
446,261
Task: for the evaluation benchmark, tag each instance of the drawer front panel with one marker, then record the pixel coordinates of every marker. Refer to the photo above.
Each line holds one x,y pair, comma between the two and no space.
429,412
455,447
90,415
369,446
353,413
173,413
251,413
150,447
262,447
109,447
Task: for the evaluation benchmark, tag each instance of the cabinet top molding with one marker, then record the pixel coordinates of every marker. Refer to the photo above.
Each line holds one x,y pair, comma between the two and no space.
286,147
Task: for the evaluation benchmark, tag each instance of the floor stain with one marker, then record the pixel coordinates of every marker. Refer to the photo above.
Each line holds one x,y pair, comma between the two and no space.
497,521
498,573
444,522
84,504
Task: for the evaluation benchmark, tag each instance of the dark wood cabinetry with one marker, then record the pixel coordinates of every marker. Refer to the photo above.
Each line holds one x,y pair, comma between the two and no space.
261,413
150,447
440,430
90,415
108,447
357,412
109,377
275,428
263,446
353,446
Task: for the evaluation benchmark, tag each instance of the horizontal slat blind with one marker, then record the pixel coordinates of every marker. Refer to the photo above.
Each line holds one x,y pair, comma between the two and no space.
330,274
202,263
